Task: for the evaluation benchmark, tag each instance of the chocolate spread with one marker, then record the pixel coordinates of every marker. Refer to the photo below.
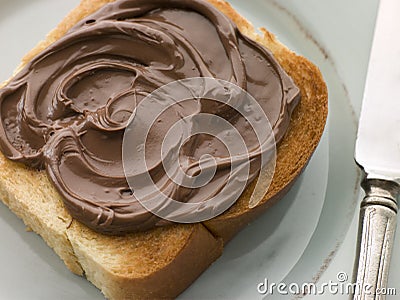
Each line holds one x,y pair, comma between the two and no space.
67,110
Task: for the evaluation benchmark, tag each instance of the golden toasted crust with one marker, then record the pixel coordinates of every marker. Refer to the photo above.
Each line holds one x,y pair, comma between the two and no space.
161,263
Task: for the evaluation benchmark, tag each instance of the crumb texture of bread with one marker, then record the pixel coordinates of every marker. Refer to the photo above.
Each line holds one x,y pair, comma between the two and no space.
163,262
31,196
153,265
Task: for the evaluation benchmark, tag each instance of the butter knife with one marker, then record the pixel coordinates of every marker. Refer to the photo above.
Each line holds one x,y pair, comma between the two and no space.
378,154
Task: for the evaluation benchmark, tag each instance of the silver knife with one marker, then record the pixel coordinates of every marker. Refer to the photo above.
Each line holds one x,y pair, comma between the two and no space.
378,154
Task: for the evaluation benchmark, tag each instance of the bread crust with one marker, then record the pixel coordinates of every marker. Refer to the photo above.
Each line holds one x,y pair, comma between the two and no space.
161,263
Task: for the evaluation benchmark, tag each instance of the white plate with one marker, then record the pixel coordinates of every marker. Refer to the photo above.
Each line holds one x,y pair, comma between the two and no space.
293,240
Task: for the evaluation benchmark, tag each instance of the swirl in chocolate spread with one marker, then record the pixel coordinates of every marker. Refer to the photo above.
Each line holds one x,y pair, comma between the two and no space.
67,110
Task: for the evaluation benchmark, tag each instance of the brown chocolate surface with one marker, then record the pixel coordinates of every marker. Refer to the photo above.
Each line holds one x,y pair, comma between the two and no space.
67,110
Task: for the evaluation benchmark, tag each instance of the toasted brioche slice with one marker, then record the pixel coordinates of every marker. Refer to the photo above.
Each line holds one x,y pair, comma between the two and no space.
161,263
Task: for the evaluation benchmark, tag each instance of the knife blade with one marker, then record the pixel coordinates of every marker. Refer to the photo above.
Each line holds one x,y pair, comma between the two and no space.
378,154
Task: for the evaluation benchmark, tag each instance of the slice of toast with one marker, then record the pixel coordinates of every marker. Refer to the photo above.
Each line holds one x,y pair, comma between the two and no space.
162,262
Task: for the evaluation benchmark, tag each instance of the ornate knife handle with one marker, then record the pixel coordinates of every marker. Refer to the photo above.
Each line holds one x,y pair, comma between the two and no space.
378,218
